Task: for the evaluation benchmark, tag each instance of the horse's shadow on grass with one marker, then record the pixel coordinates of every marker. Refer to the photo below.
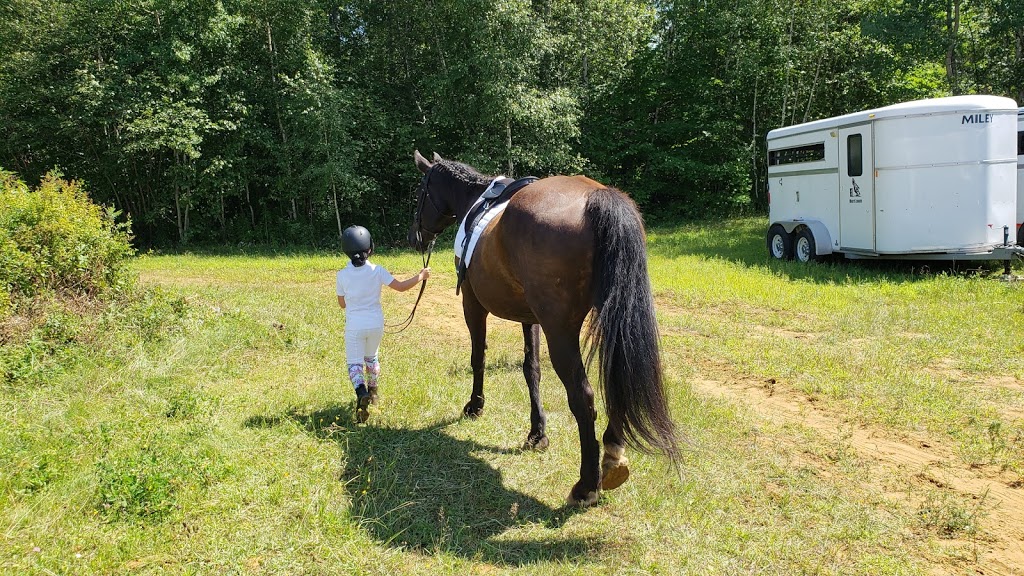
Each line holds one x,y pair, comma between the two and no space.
423,490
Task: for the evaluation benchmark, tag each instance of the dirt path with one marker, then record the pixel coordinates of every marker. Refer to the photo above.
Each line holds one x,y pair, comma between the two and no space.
916,462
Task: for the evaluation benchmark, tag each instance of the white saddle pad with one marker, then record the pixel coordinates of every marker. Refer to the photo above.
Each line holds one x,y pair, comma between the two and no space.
481,225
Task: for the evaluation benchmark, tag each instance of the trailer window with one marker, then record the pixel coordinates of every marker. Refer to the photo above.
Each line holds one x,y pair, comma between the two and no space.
797,154
854,155
1020,143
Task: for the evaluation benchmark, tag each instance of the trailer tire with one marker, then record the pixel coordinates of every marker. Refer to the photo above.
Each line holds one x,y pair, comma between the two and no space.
780,243
804,248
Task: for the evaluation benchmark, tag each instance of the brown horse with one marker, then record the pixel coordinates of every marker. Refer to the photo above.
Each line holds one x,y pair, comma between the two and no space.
565,248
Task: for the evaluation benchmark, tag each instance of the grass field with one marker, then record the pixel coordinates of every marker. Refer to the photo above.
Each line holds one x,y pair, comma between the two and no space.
841,418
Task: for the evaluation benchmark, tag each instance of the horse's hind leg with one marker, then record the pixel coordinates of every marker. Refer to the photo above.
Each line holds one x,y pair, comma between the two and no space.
536,439
568,363
476,321
614,465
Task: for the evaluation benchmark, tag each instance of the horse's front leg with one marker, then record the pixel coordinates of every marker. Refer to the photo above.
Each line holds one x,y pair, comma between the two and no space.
476,321
568,363
536,439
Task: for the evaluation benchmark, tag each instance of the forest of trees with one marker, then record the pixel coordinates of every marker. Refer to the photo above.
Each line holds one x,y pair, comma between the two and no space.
283,121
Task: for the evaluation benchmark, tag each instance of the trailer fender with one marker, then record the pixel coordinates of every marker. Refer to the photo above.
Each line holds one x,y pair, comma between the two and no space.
822,239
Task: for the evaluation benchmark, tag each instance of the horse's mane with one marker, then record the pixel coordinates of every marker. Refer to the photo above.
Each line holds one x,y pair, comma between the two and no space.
465,173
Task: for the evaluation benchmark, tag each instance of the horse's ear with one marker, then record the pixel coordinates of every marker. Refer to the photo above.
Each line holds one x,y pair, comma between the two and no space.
421,162
437,157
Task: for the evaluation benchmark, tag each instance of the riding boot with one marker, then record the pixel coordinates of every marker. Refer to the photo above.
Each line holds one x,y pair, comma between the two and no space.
363,401
372,390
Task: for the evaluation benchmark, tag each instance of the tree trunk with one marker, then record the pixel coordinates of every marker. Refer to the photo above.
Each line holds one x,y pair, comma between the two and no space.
223,217
277,111
248,202
814,84
508,147
789,66
337,211
177,201
437,42
177,212
1018,51
584,43
754,149
953,31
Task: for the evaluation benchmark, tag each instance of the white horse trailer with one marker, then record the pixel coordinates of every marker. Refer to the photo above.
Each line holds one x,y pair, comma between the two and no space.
930,179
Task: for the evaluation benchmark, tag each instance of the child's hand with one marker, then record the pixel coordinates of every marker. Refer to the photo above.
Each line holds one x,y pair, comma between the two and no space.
424,274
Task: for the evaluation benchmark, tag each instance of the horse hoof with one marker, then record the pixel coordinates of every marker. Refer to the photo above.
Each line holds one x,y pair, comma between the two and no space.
535,443
615,476
473,409
582,500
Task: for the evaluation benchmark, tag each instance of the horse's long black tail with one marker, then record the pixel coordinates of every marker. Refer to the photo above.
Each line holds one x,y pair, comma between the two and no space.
623,330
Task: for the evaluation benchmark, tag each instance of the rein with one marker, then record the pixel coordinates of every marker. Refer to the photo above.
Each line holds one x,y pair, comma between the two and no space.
408,321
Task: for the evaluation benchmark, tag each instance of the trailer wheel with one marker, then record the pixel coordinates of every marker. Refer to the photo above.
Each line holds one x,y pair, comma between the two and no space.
780,243
804,248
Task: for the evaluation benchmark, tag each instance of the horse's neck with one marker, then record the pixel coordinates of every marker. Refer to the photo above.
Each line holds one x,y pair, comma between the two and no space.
467,194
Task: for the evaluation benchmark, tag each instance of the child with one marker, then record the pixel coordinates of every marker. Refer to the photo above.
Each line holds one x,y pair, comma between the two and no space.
358,288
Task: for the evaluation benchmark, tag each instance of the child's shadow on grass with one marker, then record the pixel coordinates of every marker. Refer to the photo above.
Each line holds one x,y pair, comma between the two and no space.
424,490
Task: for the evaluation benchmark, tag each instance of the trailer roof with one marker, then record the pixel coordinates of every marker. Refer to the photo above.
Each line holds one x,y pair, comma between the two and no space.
914,108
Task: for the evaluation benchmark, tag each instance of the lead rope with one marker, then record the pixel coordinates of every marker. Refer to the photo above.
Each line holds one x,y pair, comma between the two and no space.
423,286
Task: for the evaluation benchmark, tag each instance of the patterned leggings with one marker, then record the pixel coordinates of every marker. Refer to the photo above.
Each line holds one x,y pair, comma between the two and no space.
371,368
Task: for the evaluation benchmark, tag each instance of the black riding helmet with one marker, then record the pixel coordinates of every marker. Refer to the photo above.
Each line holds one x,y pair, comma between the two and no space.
356,242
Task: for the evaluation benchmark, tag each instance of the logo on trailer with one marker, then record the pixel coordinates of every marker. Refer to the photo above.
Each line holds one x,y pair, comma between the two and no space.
977,119
855,193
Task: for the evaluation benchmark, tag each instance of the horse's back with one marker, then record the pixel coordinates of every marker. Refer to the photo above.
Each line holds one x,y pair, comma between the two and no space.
548,218
547,244
553,207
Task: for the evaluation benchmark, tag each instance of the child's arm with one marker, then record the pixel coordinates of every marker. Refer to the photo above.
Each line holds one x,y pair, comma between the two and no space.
404,285
340,290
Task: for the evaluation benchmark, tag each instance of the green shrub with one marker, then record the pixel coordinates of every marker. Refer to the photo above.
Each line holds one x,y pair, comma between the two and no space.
54,239
5,303
65,280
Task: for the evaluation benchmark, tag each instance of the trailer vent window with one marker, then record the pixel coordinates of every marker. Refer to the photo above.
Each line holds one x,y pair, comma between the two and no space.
797,154
854,155
1020,143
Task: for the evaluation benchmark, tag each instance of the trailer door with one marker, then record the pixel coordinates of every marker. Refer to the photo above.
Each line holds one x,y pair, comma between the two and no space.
856,189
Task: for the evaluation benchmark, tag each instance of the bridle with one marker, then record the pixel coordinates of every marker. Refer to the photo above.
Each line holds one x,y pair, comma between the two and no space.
423,197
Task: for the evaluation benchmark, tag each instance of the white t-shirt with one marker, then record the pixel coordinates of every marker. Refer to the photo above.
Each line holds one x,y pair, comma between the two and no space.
360,285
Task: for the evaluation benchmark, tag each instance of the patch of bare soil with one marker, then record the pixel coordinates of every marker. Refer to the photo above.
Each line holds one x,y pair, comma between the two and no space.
917,465
946,368
445,309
